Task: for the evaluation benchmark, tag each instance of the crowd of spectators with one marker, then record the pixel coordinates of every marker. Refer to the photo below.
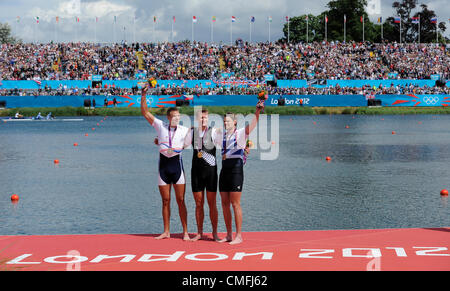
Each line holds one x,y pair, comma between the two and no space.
204,61
230,90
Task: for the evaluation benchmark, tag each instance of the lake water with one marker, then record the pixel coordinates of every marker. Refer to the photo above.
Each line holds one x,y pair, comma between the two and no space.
108,184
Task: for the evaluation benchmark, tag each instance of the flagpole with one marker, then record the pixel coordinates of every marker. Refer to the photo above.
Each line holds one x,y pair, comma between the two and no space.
326,22
363,27
288,28
95,30
436,31
400,30
250,30
419,28
134,29
231,32
192,32
307,29
212,29
345,23
269,30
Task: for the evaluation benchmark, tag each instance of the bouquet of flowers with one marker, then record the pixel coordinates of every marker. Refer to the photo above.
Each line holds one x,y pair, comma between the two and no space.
152,82
262,97
248,146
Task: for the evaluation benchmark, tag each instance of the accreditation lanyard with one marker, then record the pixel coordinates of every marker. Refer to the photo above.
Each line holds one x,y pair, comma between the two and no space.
224,145
203,136
170,137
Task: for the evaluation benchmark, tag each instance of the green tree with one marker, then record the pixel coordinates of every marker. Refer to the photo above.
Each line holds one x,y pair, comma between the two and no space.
5,34
409,30
353,11
298,29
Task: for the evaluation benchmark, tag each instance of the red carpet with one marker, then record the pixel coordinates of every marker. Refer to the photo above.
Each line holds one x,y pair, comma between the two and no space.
382,249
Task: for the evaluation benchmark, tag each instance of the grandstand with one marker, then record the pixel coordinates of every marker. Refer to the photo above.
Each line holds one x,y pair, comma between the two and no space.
301,69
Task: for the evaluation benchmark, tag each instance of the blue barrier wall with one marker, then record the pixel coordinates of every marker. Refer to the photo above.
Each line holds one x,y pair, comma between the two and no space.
209,83
227,100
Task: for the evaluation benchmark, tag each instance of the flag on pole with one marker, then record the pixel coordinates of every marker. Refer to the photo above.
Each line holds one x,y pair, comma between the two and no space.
37,19
287,18
345,18
96,19
397,19
380,19
433,20
415,20
18,19
233,19
154,19
270,18
361,19
77,19
326,19
213,19
194,19
174,19
252,19
57,19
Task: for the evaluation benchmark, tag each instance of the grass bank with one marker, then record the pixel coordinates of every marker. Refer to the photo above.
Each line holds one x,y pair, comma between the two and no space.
285,110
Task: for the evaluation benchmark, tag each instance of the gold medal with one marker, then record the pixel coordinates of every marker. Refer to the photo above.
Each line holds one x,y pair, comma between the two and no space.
170,151
199,155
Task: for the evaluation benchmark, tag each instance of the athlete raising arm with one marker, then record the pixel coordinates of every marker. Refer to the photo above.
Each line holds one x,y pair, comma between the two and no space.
172,139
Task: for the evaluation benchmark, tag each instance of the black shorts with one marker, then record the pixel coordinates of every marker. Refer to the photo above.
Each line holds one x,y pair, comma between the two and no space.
204,178
231,176
170,170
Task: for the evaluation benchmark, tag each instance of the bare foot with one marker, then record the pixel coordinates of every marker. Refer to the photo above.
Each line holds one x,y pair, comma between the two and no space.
163,235
197,237
227,239
186,237
237,240
216,237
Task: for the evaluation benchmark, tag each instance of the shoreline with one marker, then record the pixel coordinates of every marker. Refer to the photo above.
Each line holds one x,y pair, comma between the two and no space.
189,110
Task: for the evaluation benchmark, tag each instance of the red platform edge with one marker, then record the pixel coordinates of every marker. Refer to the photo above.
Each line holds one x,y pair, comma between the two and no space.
407,249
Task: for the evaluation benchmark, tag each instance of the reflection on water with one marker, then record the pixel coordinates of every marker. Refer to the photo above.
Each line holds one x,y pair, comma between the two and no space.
108,184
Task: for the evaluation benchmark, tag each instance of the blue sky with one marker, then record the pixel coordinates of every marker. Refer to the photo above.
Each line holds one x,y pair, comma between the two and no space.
135,18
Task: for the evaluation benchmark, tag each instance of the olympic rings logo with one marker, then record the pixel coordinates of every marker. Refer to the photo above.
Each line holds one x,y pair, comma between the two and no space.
431,100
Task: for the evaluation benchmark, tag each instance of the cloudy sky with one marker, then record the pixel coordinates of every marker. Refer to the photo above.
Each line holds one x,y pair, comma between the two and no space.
134,18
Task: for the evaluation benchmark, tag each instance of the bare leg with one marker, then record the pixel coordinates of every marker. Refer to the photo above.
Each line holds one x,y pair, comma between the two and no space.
235,198
179,194
213,213
225,196
165,196
199,198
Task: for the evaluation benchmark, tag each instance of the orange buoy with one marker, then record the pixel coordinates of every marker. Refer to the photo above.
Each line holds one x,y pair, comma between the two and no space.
444,192
14,197
328,158
56,161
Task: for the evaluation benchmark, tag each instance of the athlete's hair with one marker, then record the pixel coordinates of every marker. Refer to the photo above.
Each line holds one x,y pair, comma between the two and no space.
170,109
231,115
